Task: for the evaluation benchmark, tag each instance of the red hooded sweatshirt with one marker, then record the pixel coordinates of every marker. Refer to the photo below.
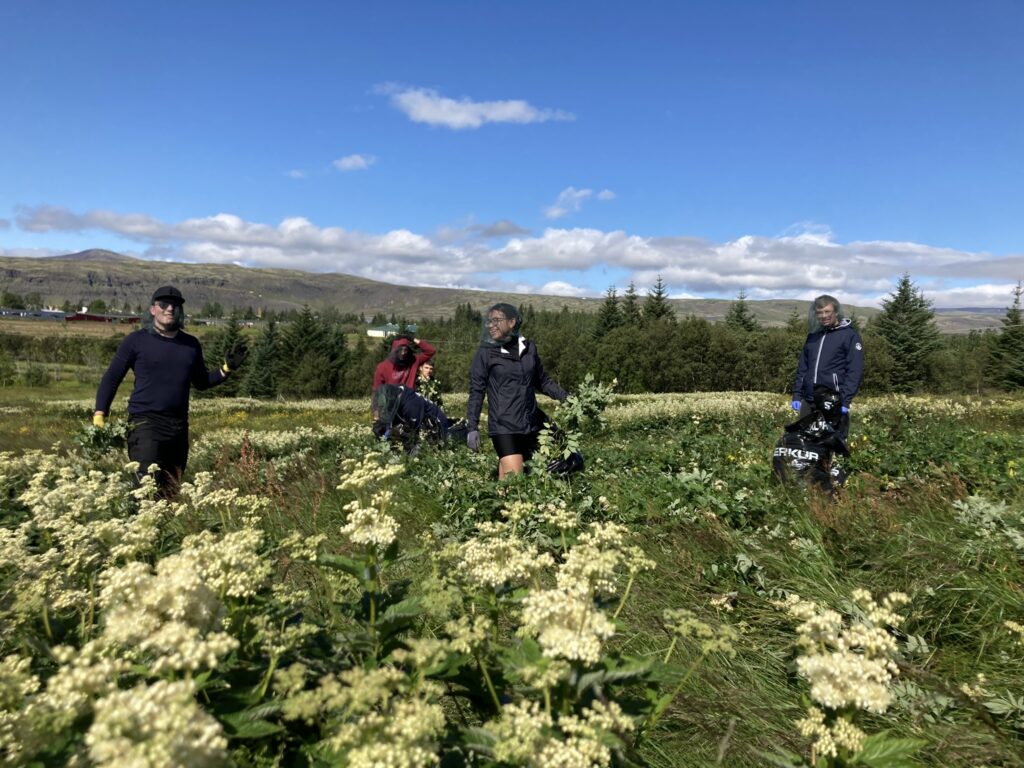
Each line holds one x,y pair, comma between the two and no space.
388,371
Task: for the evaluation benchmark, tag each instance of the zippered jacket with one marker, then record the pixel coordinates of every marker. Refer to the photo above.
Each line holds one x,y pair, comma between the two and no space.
510,375
833,357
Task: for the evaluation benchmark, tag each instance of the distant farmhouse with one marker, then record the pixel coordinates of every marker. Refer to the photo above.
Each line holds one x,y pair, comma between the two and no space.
389,329
96,317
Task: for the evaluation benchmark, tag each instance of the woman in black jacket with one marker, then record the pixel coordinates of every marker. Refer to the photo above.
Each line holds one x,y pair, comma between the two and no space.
508,368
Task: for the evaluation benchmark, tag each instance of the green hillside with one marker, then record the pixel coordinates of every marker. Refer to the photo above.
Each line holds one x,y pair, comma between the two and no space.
117,279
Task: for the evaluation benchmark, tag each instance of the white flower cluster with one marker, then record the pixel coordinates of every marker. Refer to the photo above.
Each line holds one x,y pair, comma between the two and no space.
695,405
592,565
302,546
385,720
842,733
1017,630
16,469
172,618
248,509
916,406
495,557
567,624
29,716
274,442
528,736
848,667
232,564
80,521
682,622
155,726
560,515
369,527
368,472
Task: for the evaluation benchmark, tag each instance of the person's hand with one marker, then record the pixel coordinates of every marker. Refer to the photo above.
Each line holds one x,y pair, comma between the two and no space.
795,405
99,420
473,439
234,359
844,410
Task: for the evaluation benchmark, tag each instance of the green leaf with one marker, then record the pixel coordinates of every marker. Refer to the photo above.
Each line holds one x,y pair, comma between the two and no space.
247,724
625,673
346,564
883,751
400,615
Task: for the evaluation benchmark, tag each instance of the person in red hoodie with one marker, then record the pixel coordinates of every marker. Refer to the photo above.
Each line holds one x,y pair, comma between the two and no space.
402,363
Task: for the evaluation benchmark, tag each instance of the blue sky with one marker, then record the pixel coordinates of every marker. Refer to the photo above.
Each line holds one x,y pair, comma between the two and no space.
780,148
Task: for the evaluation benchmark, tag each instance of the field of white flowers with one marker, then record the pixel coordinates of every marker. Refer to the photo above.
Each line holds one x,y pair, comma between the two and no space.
313,597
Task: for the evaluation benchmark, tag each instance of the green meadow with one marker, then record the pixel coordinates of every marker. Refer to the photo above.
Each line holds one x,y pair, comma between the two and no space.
314,597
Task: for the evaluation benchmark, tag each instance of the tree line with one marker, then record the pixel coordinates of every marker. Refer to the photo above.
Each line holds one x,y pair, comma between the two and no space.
638,340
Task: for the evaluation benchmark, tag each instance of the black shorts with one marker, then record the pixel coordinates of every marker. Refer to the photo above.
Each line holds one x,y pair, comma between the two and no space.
510,445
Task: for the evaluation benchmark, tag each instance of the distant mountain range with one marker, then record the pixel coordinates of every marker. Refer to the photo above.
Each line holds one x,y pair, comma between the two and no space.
119,279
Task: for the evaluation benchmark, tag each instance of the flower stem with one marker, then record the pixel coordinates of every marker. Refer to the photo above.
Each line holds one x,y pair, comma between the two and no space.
625,596
46,622
671,647
490,685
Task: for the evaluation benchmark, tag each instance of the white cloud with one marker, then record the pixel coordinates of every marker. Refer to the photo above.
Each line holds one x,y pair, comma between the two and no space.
797,265
426,105
296,174
605,194
354,162
562,288
570,200
5,224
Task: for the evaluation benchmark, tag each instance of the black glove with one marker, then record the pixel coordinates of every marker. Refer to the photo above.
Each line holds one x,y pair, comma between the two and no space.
234,359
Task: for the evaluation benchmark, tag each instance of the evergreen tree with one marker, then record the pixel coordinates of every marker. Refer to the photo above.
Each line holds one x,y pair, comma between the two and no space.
1011,345
215,352
739,316
304,368
796,324
609,317
907,323
631,306
259,379
656,305
11,300
357,377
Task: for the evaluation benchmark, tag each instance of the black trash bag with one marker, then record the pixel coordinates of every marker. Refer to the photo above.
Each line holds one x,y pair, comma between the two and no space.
563,465
566,465
807,450
406,418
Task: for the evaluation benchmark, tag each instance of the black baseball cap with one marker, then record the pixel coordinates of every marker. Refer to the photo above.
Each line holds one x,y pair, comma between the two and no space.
167,293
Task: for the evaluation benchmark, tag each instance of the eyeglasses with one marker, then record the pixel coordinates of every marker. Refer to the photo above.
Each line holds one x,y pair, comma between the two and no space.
495,320
165,304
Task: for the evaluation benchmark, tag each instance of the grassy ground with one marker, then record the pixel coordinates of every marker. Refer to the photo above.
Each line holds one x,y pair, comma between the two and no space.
934,508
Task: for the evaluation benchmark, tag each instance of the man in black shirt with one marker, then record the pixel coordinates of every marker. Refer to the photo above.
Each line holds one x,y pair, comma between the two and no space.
167,362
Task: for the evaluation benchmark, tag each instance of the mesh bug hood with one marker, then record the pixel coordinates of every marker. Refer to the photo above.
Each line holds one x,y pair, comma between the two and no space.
506,310
813,324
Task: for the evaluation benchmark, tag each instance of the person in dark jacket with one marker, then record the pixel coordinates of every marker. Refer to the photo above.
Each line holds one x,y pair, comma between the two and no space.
402,363
508,369
167,363
833,356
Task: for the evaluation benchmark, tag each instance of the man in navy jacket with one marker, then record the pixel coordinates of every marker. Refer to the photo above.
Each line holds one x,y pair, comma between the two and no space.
167,363
833,355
